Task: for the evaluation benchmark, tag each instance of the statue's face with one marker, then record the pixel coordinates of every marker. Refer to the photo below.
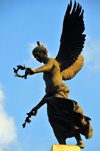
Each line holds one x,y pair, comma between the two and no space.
39,53
40,56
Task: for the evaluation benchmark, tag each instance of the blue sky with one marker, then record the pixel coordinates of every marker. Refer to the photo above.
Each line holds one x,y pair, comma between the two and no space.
22,23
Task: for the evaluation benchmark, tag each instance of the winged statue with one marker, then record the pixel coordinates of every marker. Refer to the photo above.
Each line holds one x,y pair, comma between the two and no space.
65,115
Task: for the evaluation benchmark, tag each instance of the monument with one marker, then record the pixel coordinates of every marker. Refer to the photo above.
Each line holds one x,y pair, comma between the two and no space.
65,115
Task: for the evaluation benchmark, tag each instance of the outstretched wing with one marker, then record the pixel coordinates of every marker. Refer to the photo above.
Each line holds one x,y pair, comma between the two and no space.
72,39
70,72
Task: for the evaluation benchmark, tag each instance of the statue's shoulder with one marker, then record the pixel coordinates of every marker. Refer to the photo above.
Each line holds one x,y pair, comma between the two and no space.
52,59
55,62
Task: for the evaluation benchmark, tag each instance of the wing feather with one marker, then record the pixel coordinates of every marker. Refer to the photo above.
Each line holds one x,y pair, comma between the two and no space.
72,38
70,72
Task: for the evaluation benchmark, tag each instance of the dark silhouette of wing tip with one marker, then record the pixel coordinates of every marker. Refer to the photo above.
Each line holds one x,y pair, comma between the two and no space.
72,38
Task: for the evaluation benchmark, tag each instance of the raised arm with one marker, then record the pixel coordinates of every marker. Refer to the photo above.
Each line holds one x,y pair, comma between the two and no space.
47,67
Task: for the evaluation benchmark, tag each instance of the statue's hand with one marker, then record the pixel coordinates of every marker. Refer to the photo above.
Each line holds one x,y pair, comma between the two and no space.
33,112
29,71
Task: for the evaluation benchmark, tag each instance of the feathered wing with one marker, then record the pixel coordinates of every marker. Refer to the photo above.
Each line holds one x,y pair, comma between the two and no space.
70,72
72,39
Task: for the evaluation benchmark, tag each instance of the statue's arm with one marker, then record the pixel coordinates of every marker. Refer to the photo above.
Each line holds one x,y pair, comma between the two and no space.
41,103
35,109
47,67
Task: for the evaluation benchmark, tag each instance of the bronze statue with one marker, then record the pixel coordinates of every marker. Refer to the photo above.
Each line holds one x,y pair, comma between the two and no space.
65,115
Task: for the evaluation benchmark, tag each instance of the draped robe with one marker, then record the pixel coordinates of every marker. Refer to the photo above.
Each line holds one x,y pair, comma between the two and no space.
65,115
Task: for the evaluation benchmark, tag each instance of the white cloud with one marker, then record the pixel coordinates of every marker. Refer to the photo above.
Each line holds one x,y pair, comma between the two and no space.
31,59
32,46
92,54
8,134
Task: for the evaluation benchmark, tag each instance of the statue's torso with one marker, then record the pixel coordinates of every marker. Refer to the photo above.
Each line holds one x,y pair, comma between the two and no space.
53,77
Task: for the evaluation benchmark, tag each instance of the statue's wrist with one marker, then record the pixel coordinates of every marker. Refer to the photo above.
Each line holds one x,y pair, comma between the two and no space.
33,70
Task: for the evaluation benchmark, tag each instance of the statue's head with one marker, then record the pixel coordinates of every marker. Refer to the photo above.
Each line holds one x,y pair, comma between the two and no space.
40,53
